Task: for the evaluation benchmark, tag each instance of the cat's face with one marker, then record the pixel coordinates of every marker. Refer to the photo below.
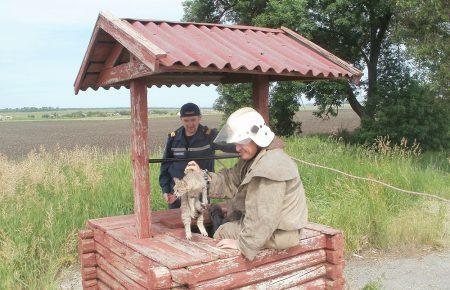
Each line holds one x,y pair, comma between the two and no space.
180,188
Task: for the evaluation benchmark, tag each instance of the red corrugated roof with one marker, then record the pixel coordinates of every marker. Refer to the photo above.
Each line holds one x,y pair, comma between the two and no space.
214,48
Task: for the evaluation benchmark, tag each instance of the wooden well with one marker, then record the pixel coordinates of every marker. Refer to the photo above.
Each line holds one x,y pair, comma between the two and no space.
148,250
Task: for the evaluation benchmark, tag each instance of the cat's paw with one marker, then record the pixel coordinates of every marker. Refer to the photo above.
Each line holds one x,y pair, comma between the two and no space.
188,236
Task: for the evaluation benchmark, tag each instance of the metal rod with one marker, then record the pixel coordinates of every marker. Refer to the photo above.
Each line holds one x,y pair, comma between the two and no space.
221,156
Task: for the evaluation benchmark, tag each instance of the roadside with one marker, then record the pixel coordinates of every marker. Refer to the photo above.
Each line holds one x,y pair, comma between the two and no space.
424,270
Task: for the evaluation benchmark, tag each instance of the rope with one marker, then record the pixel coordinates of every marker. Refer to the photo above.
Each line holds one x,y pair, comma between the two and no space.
374,181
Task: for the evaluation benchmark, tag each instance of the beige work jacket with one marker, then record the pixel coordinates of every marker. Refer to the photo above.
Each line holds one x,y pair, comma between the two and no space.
267,191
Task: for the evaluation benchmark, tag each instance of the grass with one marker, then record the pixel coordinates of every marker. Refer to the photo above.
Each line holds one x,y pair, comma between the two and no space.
46,198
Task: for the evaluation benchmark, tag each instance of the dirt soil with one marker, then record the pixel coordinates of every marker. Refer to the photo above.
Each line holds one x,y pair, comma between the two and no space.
420,271
17,139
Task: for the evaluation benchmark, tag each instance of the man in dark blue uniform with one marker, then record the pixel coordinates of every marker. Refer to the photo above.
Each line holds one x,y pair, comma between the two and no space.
189,141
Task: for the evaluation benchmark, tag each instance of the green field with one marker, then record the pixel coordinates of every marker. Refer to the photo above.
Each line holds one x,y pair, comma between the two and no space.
86,114
46,198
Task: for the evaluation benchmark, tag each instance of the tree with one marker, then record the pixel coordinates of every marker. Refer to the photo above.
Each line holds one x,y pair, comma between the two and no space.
358,31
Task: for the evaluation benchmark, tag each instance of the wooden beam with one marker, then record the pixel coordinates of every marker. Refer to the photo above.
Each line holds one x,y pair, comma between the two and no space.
261,96
323,52
139,153
84,65
122,73
113,56
147,52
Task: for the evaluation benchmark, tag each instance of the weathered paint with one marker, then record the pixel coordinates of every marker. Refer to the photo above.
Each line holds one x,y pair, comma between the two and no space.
139,153
261,96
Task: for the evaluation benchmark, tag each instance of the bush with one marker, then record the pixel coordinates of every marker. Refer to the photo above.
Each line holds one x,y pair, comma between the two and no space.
411,113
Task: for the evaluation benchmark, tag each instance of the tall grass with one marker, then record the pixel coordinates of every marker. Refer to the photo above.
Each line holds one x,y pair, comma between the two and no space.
46,198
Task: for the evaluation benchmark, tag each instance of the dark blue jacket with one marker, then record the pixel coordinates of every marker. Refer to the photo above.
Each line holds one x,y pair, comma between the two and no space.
200,145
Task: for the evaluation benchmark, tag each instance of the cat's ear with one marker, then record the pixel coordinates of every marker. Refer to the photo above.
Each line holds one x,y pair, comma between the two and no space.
176,180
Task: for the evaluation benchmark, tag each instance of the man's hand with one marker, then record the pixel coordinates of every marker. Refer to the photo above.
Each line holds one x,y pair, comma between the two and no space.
169,197
192,166
227,244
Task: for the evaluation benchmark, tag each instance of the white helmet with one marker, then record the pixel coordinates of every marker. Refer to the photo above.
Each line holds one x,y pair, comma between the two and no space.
243,125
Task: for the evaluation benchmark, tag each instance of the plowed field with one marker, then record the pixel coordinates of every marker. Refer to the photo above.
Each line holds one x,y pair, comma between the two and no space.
19,138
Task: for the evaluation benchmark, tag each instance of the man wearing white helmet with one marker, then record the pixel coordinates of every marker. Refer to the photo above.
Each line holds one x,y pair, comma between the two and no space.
268,203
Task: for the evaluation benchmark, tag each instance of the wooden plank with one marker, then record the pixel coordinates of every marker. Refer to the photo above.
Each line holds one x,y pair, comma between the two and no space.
118,275
296,278
109,223
335,272
102,286
335,257
157,251
139,46
265,272
261,96
328,55
238,263
316,284
187,247
124,266
87,246
88,283
84,65
123,251
95,67
85,234
122,73
109,281
88,260
139,152
207,244
335,242
88,273
113,56
90,80
323,229
336,284
100,52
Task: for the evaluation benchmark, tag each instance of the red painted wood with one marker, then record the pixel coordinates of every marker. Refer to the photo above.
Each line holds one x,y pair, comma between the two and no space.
113,56
102,286
89,283
139,149
88,273
123,251
335,242
316,284
323,229
238,263
84,65
336,284
335,272
335,257
109,281
85,234
140,47
118,275
122,73
261,96
157,251
87,246
124,266
294,279
187,247
265,272
88,260
101,52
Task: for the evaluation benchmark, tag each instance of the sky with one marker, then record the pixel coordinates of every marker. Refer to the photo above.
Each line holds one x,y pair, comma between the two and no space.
43,44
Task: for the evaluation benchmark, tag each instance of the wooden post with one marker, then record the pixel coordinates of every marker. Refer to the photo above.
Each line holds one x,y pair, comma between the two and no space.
139,155
261,96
